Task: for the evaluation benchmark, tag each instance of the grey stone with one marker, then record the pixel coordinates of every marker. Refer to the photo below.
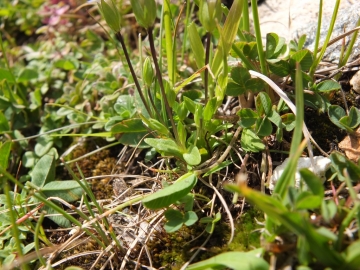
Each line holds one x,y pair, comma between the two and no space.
346,20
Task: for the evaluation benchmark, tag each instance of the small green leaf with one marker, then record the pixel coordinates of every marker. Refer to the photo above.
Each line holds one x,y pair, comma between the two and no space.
5,74
155,125
274,45
171,194
165,145
327,86
175,220
67,64
289,121
196,45
275,118
303,57
279,67
27,75
241,82
133,125
306,200
263,127
247,117
354,115
181,132
210,109
353,255
58,219
263,104
44,171
232,260
190,218
342,164
314,183
335,113
4,124
5,149
250,142
192,157
328,210
43,145
69,190
189,104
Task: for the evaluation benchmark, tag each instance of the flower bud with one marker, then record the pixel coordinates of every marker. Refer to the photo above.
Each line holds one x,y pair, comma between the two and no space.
111,14
148,72
209,13
145,12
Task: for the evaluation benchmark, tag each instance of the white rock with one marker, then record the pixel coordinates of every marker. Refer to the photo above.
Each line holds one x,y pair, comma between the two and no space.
321,165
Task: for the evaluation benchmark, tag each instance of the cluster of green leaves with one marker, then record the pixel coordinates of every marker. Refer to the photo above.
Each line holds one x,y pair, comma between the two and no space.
317,244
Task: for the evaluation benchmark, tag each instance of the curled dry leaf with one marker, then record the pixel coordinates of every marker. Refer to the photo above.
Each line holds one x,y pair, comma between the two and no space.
351,145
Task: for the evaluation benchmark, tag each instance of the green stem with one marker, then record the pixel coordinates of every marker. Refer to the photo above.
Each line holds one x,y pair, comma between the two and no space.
187,17
207,56
36,240
14,226
258,37
259,44
169,42
160,81
349,49
318,30
327,39
138,87
245,16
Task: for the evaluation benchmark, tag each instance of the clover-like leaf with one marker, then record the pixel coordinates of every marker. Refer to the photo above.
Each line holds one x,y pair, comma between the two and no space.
250,141
247,117
241,82
327,86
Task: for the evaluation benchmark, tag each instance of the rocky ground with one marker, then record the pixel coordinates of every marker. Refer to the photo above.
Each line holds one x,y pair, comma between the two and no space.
285,17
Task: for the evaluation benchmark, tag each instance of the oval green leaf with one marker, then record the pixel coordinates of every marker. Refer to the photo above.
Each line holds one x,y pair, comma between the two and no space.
171,194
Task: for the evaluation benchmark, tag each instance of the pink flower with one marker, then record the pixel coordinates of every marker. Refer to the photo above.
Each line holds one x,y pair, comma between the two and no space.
52,13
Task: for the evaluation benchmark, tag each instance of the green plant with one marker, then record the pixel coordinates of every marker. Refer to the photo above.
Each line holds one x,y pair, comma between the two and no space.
349,122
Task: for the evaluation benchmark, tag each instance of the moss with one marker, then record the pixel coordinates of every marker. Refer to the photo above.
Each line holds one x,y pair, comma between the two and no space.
246,237
171,251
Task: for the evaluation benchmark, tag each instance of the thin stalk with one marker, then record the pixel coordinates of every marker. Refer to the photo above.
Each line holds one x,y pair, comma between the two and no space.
318,30
350,47
14,226
327,39
258,37
259,44
36,239
169,42
162,89
207,57
186,22
138,87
